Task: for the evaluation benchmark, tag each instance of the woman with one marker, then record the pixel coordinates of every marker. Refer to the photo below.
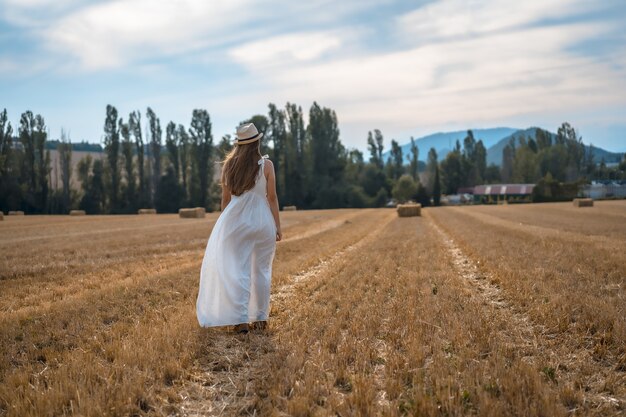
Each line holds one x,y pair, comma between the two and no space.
237,267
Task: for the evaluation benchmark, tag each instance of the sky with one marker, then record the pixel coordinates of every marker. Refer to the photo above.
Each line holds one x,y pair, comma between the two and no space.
408,68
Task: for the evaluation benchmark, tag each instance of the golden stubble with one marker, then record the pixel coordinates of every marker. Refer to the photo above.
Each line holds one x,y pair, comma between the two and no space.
464,311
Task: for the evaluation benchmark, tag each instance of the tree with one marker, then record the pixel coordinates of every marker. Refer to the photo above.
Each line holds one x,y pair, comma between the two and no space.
328,157
36,162
184,145
65,158
480,160
430,170
170,194
405,189
171,144
375,147
295,161
414,160
10,192
202,150
28,174
277,134
397,160
130,198
155,148
492,174
134,124
525,167
6,143
112,149
435,182
508,155
452,172
437,188
93,198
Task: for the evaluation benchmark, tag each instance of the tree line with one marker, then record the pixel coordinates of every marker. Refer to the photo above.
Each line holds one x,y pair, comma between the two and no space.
145,167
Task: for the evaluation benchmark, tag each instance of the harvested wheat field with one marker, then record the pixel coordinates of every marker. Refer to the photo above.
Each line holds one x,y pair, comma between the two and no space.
485,310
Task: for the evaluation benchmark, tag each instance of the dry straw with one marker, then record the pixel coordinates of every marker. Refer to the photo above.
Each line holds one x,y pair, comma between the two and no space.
290,208
192,213
16,213
409,210
147,211
77,212
583,202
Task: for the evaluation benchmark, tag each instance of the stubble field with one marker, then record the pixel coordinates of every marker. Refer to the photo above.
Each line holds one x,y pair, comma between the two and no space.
486,310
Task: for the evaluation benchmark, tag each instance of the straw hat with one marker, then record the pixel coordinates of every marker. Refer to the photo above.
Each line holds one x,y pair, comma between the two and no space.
247,133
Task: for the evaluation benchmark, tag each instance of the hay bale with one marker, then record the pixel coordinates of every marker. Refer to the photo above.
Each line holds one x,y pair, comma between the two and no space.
192,213
16,213
583,202
147,211
409,210
77,212
290,208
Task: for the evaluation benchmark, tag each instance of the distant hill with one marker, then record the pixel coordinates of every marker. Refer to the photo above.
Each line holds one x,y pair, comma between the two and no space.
494,139
444,142
494,153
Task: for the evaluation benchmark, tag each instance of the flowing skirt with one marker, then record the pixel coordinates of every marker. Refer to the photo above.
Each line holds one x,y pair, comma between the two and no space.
236,270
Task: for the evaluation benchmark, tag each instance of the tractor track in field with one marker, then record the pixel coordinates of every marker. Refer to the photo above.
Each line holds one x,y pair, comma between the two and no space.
531,338
226,386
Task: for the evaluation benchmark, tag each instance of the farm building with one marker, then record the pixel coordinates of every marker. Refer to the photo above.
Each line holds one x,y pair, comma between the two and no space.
599,191
503,193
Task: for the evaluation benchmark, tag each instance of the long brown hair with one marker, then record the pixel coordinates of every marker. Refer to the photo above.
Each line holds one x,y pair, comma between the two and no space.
240,168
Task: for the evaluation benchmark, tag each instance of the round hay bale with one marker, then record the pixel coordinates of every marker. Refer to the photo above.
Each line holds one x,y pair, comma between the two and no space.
409,210
290,208
583,202
147,211
192,213
16,213
77,212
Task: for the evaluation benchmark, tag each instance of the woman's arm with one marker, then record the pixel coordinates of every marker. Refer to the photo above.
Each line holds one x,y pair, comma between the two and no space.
272,198
225,196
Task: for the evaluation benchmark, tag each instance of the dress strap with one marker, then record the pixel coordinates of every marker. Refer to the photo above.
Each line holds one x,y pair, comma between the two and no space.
262,160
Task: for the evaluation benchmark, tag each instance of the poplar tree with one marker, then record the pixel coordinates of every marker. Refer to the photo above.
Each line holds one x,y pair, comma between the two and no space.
130,197
155,148
202,146
112,149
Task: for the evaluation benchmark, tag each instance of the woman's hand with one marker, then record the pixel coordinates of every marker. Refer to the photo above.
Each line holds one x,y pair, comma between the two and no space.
279,235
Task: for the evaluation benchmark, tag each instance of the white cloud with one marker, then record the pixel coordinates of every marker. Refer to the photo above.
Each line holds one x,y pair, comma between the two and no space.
450,63
284,49
461,81
461,18
118,33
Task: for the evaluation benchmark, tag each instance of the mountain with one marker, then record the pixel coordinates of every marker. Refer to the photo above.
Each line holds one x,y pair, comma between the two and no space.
444,142
494,153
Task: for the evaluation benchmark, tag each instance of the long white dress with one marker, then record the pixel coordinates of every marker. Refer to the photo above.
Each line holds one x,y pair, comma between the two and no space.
237,267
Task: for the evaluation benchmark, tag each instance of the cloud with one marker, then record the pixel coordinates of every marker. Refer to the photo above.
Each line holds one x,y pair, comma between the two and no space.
448,19
480,72
285,49
446,63
114,34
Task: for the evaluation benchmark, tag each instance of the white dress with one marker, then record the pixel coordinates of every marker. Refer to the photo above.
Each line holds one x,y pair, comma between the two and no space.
237,267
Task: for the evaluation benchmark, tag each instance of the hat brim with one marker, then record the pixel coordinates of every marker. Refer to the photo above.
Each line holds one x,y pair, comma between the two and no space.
247,141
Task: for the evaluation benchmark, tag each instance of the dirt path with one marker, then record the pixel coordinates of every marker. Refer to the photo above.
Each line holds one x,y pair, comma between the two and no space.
490,294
